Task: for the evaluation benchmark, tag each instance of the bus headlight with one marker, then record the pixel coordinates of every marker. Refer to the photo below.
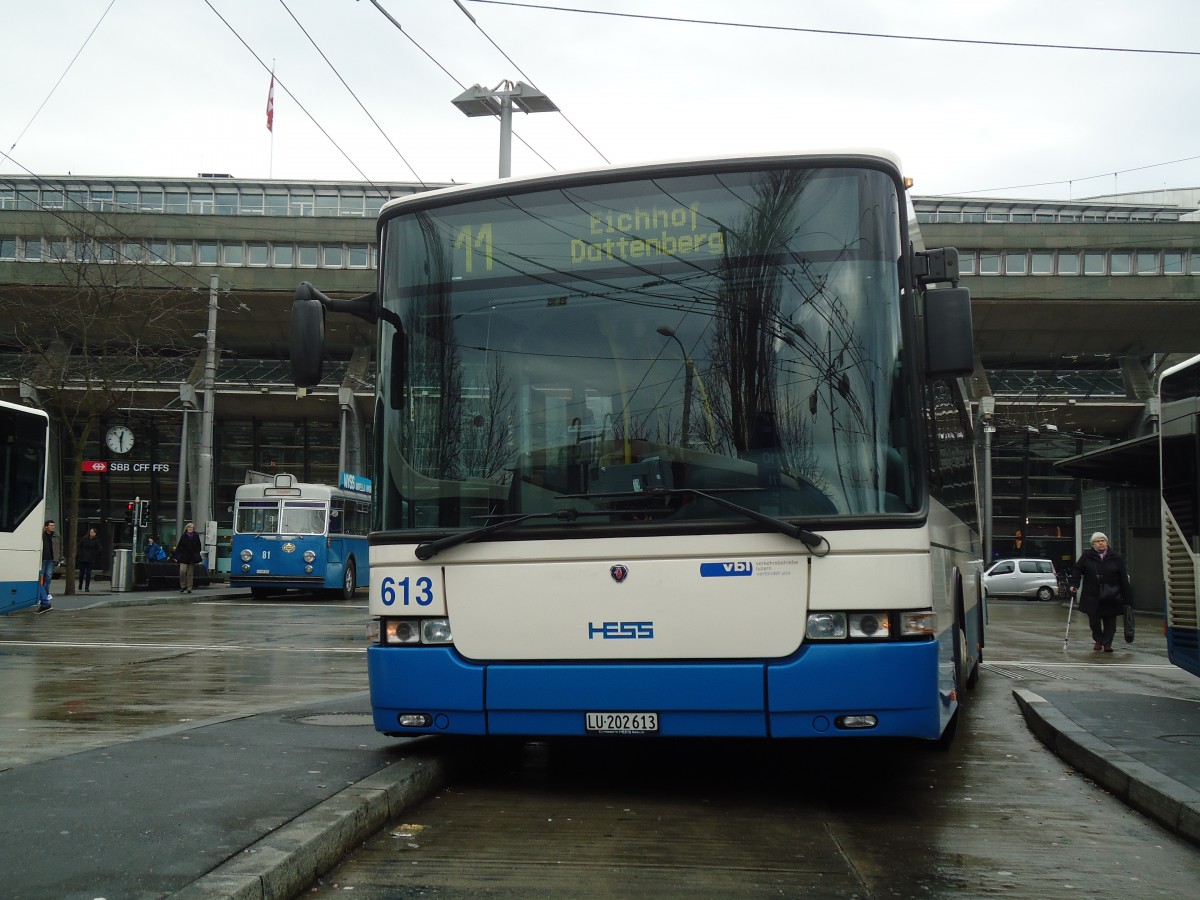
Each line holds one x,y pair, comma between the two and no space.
435,631
246,555
309,556
870,625
417,631
401,631
825,626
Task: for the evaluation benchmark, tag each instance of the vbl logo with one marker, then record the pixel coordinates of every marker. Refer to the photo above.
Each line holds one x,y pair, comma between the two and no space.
621,631
725,569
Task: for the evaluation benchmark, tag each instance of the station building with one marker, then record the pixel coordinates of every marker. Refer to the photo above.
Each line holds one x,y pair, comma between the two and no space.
134,298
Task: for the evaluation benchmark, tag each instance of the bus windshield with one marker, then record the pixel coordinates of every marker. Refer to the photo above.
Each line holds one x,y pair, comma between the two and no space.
613,347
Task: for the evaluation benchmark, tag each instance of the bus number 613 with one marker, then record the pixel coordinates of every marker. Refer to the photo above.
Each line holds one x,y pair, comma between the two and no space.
421,591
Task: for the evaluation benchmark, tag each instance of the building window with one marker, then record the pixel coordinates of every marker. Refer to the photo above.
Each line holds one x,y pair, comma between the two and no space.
1068,263
358,257
1194,269
1172,262
1093,264
327,204
1120,262
32,250
252,203
133,251
227,203
101,201
257,254
989,263
276,205
308,256
201,203
159,251
106,252
57,250
234,254
177,202
352,205
331,257
184,253
127,201
301,204
1147,263
972,216
206,253
151,201
1041,263
8,247
1014,263
285,256
924,218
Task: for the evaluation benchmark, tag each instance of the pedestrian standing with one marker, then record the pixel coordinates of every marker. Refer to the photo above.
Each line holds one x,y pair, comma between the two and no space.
188,553
87,555
49,563
1102,583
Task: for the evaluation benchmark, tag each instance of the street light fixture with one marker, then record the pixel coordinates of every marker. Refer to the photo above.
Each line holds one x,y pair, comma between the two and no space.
500,100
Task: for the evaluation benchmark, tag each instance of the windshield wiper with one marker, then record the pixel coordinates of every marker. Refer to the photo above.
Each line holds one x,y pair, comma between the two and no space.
432,548
808,538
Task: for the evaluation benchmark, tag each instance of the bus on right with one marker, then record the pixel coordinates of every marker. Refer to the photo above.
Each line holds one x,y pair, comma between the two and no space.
1179,455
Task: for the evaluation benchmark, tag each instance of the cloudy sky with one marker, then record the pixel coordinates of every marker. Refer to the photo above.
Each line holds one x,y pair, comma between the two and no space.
178,87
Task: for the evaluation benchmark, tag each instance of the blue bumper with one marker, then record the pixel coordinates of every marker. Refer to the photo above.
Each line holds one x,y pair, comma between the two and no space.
800,697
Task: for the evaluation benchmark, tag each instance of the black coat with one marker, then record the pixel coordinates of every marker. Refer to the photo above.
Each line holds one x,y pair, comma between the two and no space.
1090,572
188,551
88,551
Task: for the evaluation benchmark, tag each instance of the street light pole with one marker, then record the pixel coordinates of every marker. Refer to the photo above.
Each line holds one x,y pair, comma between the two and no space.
500,100
204,474
987,410
689,372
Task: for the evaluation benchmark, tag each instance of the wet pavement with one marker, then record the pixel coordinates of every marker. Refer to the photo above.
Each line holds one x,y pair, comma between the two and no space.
259,805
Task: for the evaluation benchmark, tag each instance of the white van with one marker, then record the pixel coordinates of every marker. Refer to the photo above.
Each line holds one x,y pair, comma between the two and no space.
1032,578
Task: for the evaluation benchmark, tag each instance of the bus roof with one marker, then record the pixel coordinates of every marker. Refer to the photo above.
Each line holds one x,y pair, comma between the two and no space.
873,157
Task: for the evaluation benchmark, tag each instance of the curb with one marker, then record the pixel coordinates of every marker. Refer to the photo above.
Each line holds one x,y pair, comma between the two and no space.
291,858
1173,805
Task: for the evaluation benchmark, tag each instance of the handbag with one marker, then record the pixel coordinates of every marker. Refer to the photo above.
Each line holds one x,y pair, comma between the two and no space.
1110,592
1129,624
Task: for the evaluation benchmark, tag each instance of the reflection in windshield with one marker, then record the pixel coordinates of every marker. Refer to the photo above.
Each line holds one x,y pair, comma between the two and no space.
733,333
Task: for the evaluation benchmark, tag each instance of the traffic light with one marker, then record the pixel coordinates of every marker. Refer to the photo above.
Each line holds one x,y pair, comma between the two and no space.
143,517
129,511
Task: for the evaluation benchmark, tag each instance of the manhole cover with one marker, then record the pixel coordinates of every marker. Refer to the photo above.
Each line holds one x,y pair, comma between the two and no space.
1188,739
340,720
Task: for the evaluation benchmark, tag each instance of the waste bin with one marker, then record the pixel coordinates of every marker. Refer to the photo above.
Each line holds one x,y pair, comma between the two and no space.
122,570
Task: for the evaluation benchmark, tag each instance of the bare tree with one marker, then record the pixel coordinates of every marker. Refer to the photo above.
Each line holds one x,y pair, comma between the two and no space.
105,324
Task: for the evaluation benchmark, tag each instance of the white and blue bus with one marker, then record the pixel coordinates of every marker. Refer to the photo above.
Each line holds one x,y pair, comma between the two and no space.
680,449
1179,460
293,536
24,451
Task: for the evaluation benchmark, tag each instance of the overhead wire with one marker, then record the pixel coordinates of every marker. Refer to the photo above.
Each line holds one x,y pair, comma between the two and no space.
95,27
387,15
513,62
302,107
352,94
837,32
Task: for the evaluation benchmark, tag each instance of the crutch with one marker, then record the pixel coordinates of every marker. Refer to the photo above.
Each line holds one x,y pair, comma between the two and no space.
1070,609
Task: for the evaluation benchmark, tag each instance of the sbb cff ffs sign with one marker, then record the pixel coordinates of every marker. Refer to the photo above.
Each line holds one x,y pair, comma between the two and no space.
99,467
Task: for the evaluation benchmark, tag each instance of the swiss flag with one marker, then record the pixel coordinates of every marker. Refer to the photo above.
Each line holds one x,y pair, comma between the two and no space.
271,106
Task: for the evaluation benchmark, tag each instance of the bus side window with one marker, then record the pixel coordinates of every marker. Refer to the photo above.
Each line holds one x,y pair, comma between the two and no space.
335,521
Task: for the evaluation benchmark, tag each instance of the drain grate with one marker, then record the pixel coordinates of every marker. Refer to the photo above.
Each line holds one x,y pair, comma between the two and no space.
1019,672
339,720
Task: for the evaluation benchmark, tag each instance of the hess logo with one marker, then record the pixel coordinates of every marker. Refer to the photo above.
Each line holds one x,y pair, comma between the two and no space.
621,631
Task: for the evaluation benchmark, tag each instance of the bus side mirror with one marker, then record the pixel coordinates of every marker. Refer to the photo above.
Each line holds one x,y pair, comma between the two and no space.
949,340
307,336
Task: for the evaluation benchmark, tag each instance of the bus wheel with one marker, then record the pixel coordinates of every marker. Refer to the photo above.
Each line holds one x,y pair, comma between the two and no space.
348,581
260,593
960,662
